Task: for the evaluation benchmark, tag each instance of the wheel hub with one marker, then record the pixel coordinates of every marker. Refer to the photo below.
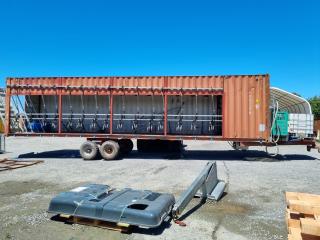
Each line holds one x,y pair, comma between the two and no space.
109,150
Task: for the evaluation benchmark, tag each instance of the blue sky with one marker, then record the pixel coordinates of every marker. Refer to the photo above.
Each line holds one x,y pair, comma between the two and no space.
98,38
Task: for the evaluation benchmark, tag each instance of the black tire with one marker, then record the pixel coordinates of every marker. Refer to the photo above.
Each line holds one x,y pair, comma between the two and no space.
109,150
88,150
126,146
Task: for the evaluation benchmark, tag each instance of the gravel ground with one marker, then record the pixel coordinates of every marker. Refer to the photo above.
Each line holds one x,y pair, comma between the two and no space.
253,208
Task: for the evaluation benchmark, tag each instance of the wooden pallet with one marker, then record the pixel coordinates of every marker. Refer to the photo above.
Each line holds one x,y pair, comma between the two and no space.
303,216
120,227
7,164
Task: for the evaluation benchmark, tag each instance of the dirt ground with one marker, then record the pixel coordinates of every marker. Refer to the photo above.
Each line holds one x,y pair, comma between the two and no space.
253,208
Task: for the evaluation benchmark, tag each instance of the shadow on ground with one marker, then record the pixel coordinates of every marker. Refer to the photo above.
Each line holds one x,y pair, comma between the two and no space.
66,153
225,155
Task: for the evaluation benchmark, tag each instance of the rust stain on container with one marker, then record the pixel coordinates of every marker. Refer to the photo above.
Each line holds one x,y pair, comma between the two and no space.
245,104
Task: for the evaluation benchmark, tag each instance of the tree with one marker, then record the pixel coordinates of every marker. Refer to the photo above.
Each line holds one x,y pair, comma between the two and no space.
315,105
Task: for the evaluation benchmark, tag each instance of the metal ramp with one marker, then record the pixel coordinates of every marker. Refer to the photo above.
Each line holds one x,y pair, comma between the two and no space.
127,207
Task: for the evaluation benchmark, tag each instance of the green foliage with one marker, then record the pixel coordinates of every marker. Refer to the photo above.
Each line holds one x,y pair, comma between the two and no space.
315,105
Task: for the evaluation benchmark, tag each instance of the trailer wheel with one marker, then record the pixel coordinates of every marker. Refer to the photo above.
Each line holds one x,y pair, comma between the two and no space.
109,150
88,150
126,146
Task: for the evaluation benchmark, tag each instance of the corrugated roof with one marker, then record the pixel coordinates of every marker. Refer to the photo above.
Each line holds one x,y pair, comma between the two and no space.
289,101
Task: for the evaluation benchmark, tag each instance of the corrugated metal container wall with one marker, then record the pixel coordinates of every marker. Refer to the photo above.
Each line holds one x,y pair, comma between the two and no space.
246,107
245,98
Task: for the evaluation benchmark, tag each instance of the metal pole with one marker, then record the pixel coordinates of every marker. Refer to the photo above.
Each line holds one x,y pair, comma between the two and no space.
8,109
111,108
165,107
60,113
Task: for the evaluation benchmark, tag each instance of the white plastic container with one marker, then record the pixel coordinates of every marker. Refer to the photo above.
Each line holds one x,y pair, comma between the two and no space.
300,125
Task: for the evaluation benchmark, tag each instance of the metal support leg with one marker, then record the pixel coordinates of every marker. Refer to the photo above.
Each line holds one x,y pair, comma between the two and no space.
207,182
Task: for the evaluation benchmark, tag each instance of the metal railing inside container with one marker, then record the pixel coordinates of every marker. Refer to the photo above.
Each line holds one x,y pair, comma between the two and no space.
155,121
192,123
86,122
34,122
143,116
48,122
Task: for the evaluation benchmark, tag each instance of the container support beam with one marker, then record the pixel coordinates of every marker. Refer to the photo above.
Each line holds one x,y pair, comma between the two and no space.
165,110
8,111
60,113
165,114
111,109
224,104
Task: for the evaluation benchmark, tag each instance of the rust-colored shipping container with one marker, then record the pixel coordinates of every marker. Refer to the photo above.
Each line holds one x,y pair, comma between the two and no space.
229,108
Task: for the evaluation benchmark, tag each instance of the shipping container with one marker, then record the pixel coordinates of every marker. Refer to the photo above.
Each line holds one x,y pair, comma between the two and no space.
116,109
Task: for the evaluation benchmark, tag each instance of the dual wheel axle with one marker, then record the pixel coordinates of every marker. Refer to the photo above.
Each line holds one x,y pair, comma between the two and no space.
108,149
